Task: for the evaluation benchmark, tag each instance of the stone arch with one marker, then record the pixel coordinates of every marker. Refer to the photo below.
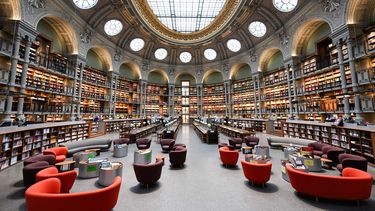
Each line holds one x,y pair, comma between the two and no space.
235,68
360,12
104,56
210,72
265,57
181,74
10,9
304,32
161,72
64,30
133,67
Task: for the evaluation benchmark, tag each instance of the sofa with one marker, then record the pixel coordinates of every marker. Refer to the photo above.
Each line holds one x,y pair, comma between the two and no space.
354,184
29,172
277,142
51,159
78,146
354,161
45,196
228,156
332,153
318,148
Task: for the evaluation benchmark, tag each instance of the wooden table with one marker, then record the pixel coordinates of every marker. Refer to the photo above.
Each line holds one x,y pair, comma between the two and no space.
327,163
65,166
233,132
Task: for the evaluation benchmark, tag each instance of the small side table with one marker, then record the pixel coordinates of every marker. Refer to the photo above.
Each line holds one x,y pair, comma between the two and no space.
160,157
65,166
326,163
97,151
108,174
247,150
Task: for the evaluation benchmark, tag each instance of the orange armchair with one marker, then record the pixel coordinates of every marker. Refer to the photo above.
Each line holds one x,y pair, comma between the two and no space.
228,157
66,178
59,152
354,184
45,196
257,173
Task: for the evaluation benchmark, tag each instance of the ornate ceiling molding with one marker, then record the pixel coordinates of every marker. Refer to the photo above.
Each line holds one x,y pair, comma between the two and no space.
224,18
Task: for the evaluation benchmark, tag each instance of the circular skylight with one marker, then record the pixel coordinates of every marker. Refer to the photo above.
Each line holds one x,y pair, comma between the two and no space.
210,54
257,28
161,54
285,5
85,4
113,27
234,45
137,44
185,57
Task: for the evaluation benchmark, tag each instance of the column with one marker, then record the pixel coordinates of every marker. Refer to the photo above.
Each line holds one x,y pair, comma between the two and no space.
25,66
353,72
113,94
171,88
288,68
81,65
259,97
12,79
143,97
255,96
73,105
227,96
343,79
199,100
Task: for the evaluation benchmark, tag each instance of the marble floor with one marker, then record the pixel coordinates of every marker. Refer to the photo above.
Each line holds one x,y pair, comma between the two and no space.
203,184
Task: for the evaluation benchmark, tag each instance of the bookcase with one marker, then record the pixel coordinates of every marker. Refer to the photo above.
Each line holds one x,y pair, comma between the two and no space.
309,65
359,140
371,39
156,99
243,98
116,125
95,77
213,100
19,143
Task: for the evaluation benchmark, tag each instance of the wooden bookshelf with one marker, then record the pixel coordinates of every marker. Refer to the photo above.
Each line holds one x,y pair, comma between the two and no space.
359,140
19,143
96,77
213,100
156,99
371,39
243,98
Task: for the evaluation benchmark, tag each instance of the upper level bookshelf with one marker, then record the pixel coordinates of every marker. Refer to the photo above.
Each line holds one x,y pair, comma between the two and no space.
371,39
95,76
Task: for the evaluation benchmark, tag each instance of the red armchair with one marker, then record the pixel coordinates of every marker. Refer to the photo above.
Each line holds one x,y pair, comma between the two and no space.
228,157
59,152
257,173
45,196
354,184
66,178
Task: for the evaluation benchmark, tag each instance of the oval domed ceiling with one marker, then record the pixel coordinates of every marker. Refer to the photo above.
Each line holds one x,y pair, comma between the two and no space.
186,22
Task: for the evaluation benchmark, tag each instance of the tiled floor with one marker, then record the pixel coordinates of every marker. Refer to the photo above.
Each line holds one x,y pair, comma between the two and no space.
203,184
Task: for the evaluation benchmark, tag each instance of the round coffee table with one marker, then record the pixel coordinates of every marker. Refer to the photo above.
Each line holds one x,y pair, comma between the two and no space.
108,174
327,163
65,166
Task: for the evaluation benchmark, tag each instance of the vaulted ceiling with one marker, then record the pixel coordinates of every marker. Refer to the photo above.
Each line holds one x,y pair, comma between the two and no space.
136,24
